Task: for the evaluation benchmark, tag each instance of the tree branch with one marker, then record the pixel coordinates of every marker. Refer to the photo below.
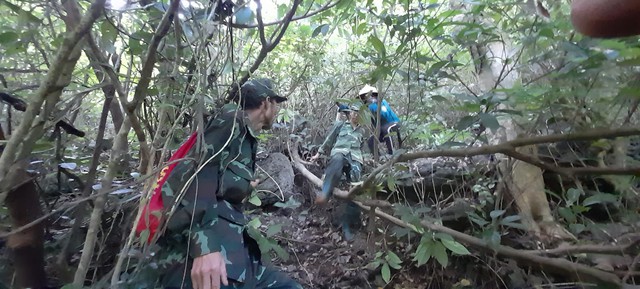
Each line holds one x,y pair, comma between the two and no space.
508,148
326,7
264,50
285,25
263,39
50,89
576,270
118,149
598,249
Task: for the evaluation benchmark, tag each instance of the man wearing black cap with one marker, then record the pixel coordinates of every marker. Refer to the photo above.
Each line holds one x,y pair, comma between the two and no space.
206,244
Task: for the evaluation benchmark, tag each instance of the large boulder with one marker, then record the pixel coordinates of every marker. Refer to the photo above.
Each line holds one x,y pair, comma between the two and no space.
277,176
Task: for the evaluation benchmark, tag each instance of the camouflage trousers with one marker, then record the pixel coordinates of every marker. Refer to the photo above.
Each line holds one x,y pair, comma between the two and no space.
174,274
339,164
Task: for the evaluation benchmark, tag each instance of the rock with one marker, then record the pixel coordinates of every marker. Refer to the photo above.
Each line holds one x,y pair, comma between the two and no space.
275,167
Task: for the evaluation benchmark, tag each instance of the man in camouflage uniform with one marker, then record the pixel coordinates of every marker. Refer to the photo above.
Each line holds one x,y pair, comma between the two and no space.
206,244
344,142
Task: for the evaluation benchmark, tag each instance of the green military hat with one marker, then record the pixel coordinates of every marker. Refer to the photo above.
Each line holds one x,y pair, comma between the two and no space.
258,88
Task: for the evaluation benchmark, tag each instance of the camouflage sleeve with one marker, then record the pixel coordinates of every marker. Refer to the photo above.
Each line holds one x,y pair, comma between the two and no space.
328,143
197,212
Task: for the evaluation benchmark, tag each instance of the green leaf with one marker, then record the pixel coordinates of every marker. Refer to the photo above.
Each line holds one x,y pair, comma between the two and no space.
546,32
391,182
255,200
108,32
612,44
254,223
489,121
8,37
377,45
135,47
343,4
43,145
496,213
567,214
290,204
600,198
436,67
443,236
577,228
424,251
282,253
477,219
373,265
386,273
274,229
324,28
144,236
455,247
439,98
465,122
440,253
572,196
362,28
510,219
393,260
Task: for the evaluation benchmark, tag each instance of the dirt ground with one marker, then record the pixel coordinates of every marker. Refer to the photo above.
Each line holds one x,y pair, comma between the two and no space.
320,257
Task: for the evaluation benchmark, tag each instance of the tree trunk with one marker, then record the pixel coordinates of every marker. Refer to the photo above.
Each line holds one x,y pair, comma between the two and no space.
523,181
27,247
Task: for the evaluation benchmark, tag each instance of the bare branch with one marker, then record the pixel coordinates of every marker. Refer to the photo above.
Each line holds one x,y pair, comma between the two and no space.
324,8
572,172
576,270
18,70
50,89
150,57
285,24
598,249
263,39
264,50
118,150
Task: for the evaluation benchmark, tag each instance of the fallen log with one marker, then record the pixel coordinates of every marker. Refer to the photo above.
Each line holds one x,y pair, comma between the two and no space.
577,271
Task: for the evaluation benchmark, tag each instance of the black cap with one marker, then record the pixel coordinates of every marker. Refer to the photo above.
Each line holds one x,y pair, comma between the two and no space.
259,88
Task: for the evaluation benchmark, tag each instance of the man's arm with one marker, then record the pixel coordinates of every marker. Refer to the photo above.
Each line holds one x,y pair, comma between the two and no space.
330,140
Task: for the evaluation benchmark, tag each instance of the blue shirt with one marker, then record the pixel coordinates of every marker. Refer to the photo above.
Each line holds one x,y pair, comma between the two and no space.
386,113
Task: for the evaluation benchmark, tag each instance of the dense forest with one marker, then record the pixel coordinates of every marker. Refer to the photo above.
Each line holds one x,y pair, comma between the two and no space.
519,162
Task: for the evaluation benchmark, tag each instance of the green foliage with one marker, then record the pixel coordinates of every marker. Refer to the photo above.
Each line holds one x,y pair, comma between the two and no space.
267,244
576,204
387,260
436,246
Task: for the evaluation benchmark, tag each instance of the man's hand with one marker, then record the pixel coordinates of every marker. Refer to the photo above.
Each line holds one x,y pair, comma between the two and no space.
255,183
208,271
315,157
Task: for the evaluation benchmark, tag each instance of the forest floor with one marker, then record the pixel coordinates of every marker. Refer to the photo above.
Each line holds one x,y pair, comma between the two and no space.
321,258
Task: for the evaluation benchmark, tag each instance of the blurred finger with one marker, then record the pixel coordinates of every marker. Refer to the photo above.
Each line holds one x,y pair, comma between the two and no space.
223,274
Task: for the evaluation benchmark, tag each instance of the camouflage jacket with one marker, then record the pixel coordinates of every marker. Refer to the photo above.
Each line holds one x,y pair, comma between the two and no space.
208,217
344,138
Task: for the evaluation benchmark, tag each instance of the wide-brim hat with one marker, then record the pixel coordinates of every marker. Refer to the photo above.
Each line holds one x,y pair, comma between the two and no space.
368,89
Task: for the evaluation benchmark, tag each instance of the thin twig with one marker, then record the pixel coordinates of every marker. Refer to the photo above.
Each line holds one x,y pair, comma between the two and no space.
576,270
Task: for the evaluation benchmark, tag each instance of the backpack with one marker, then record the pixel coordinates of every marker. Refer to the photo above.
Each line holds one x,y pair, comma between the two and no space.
149,220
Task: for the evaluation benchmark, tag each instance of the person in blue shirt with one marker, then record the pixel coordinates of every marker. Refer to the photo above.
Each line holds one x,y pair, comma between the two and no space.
389,121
